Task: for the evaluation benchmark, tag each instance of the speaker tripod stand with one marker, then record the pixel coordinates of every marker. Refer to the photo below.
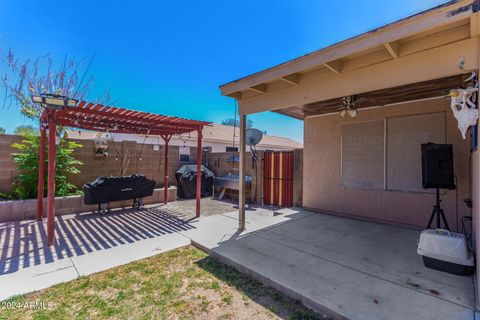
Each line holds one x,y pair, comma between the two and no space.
439,214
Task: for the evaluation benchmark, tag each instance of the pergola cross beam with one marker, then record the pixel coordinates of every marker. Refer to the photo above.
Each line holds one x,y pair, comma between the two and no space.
98,117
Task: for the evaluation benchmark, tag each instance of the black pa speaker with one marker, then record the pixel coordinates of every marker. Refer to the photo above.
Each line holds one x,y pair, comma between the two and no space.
437,166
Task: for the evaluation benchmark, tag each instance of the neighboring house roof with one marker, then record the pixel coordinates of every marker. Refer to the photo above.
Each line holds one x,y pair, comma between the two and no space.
215,133
224,134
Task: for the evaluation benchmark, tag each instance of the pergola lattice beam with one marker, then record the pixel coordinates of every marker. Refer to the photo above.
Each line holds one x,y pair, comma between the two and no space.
98,117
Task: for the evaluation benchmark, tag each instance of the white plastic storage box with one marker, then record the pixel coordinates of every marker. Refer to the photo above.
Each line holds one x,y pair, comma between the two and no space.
445,251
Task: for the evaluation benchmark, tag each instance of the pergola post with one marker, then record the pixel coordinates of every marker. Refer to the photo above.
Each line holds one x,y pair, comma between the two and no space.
241,189
52,150
199,170
67,112
41,168
165,186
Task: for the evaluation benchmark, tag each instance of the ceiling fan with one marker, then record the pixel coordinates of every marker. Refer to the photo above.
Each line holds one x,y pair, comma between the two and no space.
348,106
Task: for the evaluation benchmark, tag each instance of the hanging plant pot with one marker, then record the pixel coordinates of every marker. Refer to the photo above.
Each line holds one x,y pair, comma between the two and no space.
101,153
100,148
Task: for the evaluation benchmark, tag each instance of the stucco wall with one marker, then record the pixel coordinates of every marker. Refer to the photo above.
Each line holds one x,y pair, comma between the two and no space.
322,188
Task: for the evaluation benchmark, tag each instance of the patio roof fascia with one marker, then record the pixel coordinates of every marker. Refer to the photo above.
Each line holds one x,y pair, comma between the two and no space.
427,65
328,58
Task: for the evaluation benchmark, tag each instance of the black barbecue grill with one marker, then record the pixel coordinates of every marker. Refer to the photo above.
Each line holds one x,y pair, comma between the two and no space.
108,189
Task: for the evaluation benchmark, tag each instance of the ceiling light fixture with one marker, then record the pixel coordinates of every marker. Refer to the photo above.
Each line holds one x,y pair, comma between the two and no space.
348,107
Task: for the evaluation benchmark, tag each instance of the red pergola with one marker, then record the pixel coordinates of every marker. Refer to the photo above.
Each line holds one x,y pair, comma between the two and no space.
98,117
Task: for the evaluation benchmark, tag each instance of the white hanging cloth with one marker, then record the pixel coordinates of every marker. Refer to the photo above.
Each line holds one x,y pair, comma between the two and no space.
464,107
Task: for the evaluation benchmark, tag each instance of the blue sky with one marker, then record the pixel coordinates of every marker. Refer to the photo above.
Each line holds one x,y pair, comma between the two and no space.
169,57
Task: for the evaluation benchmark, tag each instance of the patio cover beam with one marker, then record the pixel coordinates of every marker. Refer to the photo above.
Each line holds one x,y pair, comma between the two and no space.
199,172
476,206
165,184
423,66
412,92
241,192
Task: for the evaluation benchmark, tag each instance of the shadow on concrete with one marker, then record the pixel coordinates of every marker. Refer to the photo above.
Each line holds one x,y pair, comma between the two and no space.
23,243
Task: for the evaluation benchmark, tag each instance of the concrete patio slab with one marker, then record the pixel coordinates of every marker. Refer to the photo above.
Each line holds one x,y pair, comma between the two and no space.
212,231
103,260
36,278
393,259
347,268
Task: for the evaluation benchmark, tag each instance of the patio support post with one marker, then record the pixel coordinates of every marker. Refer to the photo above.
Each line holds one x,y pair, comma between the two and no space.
476,206
41,168
165,185
476,216
199,170
52,131
241,190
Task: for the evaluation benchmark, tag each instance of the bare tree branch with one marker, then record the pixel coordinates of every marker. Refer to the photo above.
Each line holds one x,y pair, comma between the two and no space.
42,75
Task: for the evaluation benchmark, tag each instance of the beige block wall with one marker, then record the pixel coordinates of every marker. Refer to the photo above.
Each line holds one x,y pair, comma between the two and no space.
8,168
322,188
151,163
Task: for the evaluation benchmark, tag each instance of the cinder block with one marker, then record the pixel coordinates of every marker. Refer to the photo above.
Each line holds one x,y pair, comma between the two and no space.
6,211
6,206
6,147
22,206
5,185
86,208
30,215
6,163
68,202
63,211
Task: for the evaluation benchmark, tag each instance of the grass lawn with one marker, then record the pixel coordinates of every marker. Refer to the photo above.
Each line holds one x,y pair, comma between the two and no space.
180,284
